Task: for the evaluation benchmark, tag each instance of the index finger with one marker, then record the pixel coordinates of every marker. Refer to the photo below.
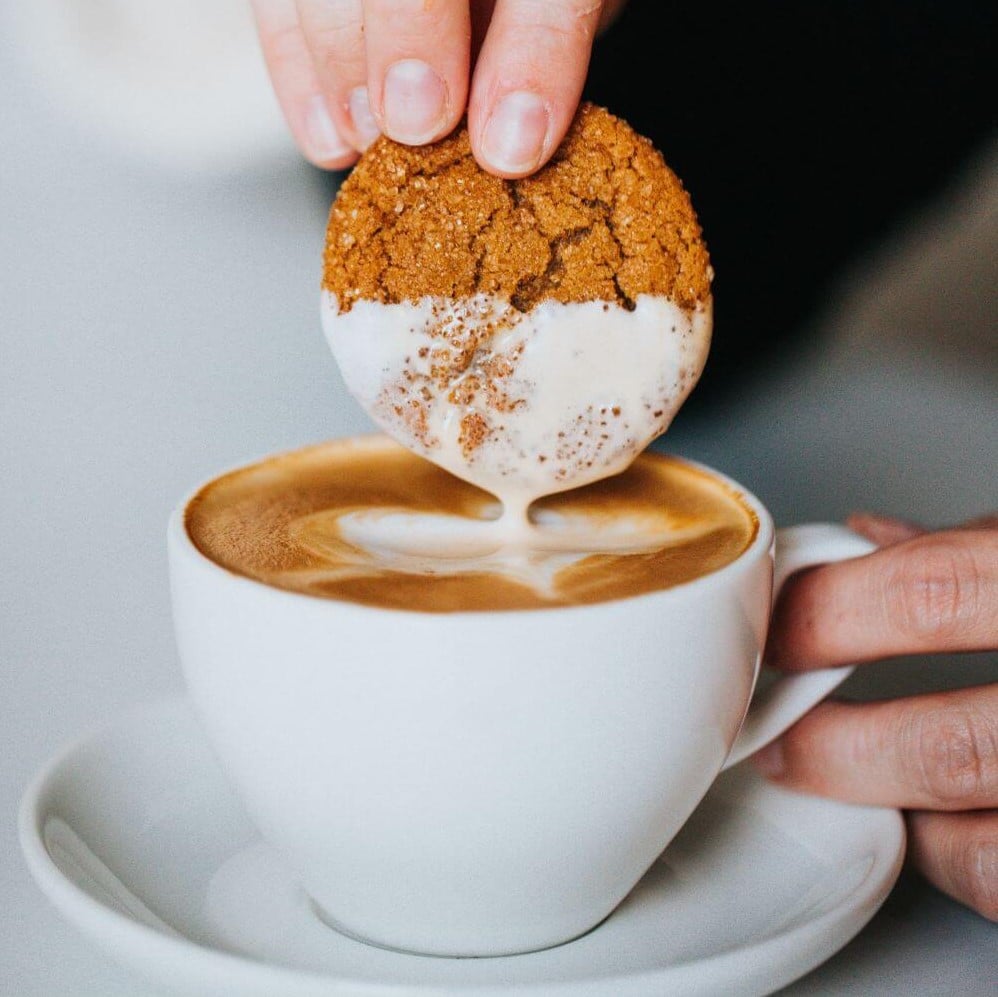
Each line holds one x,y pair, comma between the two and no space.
934,592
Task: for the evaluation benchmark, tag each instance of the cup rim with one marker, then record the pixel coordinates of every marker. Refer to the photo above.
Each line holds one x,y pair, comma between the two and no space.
181,543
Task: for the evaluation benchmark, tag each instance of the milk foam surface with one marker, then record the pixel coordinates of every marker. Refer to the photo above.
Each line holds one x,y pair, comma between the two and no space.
366,521
521,404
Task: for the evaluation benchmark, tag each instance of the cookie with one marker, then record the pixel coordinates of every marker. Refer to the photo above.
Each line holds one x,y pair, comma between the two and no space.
605,220
528,335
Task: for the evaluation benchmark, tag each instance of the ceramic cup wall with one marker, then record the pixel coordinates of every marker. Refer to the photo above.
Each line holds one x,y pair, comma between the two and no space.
483,783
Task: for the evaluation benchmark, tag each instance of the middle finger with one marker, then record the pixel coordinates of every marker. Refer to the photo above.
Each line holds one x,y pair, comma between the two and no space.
930,593
418,62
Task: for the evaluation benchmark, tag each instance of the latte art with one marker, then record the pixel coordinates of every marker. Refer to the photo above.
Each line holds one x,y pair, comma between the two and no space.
353,544
366,521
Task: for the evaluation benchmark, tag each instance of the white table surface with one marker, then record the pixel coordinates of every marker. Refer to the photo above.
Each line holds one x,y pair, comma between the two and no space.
157,327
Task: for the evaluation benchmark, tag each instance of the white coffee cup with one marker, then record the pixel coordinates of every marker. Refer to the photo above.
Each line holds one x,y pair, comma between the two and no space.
485,783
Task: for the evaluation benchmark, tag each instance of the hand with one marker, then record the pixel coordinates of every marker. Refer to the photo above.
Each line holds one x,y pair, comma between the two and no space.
346,70
934,755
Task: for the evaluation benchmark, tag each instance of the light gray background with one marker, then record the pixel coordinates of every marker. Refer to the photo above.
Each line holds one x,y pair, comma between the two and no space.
157,327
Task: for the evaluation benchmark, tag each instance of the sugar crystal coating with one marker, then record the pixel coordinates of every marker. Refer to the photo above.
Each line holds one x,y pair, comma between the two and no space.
605,220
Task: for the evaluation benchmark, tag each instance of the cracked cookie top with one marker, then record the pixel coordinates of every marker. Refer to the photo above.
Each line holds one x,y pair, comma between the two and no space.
605,220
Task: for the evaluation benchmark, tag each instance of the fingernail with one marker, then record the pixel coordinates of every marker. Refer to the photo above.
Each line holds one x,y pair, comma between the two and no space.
363,120
769,761
514,136
324,142
415,102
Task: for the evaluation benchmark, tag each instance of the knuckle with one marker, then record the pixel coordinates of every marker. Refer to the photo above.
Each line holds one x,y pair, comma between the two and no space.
980,868
402,8
561,22
340,70
952,753
410,18
339,40
934,591
337,49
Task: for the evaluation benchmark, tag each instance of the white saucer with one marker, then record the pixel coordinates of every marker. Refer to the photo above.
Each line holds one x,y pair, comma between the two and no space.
136,838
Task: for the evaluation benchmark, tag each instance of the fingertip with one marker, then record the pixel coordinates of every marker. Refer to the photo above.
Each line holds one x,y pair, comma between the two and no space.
777,656
789,645
321,142
528,81
343,162
365,125
418,58
808,756
860,520
515,138
414,102
770,761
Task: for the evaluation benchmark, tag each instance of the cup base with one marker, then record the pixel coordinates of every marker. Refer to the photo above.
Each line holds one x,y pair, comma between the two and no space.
494,952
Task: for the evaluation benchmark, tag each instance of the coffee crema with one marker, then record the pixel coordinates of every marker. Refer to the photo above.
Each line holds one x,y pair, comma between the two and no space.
365,521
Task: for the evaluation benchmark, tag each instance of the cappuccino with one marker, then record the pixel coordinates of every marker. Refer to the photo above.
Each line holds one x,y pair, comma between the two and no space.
368,522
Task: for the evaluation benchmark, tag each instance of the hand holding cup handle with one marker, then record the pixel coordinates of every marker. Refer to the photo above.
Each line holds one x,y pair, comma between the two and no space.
780,705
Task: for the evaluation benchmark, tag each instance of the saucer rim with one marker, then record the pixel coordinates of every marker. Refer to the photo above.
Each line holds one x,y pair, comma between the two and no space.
139,943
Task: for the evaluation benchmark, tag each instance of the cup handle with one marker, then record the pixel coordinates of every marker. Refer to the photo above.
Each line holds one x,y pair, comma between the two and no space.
782,703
